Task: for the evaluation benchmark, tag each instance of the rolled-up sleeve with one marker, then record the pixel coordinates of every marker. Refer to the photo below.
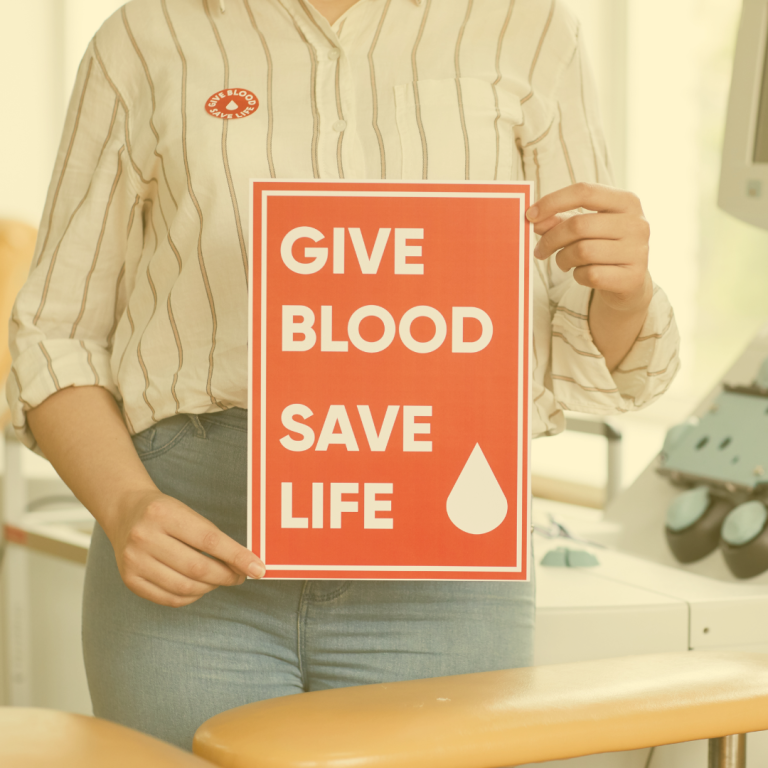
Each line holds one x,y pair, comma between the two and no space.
64,318
562,143
582,381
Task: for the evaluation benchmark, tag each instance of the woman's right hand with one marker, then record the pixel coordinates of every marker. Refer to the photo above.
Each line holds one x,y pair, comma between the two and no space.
162,547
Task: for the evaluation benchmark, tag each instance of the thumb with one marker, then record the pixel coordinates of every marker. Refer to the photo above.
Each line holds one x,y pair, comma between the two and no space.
542,227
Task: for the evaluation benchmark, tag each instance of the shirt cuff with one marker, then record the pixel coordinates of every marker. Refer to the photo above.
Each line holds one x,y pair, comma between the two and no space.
47,367
582,381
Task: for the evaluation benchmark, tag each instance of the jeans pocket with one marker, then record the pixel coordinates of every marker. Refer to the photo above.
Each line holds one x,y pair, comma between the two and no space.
161,437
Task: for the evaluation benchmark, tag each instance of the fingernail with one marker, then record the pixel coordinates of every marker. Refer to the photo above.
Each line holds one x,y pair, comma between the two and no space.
256,570
536,252
532,212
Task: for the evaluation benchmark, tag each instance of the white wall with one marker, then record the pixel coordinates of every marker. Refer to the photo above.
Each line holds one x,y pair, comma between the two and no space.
43,41
32,114
604,27
645,54
664,127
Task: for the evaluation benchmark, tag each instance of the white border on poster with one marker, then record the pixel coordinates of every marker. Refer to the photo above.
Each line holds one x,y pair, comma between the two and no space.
524,260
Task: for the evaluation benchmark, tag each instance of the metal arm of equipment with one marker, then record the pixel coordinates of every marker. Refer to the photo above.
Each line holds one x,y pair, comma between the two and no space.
614,437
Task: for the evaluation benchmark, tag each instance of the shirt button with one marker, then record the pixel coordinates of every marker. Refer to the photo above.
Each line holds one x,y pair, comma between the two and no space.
340,125
333,54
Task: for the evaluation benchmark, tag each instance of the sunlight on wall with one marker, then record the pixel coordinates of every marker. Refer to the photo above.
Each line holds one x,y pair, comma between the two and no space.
713,267
39,57
604,29
733,256
676,59
30,60
83,18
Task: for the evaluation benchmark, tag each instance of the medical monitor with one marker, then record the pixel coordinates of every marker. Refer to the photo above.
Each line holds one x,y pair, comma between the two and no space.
744,171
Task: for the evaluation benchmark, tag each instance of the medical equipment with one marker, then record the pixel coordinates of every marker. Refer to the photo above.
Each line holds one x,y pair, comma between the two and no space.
744,173
723,456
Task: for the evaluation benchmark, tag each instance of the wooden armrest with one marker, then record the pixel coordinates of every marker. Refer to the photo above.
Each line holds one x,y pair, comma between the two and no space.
41,738
499,718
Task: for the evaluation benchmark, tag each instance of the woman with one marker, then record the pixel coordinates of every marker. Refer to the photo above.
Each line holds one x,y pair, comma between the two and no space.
139,298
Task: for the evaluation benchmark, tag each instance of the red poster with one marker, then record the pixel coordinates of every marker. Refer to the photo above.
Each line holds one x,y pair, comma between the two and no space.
389,380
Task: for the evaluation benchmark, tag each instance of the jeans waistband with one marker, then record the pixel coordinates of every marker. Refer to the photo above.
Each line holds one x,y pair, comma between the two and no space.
234,417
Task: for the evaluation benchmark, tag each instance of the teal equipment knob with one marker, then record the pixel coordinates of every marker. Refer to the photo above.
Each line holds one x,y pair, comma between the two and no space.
673,437
565,557
688,508
744,539
693,524
744,523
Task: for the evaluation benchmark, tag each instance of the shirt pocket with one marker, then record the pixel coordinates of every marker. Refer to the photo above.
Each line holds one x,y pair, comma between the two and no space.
462,128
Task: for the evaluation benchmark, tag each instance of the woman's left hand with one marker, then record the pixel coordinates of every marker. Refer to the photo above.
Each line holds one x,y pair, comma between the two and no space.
607,250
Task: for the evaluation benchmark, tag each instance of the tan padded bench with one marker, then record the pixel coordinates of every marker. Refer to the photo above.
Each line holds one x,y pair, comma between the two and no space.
495,719
44,738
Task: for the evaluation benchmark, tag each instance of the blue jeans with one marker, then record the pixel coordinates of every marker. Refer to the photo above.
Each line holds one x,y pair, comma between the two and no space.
166,670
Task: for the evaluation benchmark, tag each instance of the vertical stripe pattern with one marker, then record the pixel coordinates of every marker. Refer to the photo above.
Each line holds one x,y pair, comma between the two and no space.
141,276
81,202
374,90
496,82
457,65
225,159
587,118
339,107
151,85
536,55
201,260
270,109
415,69
566,154
113,329
65,163
152,288
98,244
313,100
49,362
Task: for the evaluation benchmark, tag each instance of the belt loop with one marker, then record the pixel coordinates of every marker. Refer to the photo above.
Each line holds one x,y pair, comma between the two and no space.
197,425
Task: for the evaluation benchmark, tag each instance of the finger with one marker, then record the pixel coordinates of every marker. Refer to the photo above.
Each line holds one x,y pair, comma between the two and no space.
171,581
542,227
206,537
194,565
155,594
610,278
149,578
585,252
592,226
592,197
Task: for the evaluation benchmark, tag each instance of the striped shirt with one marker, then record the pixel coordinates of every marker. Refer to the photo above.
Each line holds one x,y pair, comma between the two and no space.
139,282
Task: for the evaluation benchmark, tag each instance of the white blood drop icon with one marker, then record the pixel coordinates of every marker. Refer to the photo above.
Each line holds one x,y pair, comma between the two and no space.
476,504
232,105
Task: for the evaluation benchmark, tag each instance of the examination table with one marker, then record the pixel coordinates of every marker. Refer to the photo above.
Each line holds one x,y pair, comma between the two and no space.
482,720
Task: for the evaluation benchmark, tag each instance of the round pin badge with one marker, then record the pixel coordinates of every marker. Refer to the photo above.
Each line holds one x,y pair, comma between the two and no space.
232,103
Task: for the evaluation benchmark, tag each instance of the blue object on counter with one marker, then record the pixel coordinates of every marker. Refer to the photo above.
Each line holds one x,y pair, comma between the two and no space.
727,449
674,435
744,523
688,508
565,557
